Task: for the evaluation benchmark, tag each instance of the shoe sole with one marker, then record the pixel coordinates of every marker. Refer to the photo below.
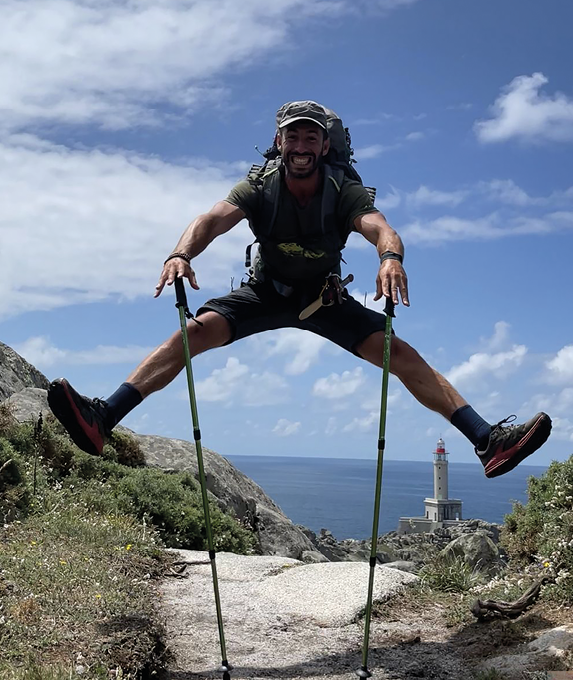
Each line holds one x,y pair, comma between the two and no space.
66,411
525,447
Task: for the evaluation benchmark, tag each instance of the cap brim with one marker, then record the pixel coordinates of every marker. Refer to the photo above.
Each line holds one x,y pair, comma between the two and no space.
288,121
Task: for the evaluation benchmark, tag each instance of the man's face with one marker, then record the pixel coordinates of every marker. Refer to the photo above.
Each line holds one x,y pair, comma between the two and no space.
302,145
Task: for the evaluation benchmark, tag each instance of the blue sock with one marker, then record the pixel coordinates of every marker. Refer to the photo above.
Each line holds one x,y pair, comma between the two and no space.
470,423
123,400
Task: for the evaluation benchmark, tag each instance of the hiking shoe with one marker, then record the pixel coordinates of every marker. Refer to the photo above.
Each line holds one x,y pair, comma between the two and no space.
509,445
83,418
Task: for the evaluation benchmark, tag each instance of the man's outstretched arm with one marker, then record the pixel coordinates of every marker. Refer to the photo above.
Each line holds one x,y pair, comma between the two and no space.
196,237
391,278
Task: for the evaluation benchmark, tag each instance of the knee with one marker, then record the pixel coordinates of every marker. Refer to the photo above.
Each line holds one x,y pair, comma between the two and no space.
211,330
402,357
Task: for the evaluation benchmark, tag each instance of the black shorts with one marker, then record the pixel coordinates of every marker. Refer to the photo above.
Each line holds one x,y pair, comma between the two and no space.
257,307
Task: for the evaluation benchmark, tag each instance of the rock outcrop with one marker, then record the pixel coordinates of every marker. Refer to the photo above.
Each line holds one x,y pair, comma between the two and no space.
16,373
477,550
234,492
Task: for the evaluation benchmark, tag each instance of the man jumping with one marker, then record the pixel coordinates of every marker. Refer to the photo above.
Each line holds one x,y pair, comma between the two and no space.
300,240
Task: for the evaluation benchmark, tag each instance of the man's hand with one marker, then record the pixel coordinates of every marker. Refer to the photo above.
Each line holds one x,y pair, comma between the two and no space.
172,269
391,279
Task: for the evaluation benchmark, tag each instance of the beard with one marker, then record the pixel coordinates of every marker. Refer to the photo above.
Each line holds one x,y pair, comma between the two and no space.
314,164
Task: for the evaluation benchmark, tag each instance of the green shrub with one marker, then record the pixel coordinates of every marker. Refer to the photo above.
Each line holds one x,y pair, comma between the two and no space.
448,573
542,530
110,485
127,449
14,493
7,420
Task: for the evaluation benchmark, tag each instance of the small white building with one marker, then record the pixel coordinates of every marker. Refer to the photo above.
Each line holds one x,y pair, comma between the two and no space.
440,511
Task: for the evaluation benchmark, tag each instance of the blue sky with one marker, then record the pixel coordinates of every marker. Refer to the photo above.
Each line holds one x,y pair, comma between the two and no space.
121,121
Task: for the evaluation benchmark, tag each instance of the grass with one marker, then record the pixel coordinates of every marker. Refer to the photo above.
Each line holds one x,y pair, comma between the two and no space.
449,574
77,591
82,544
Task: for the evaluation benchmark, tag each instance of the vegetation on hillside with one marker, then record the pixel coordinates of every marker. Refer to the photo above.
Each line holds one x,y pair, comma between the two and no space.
540,533
81,542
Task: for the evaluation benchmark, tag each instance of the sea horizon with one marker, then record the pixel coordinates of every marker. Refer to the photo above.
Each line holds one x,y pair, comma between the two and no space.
337,494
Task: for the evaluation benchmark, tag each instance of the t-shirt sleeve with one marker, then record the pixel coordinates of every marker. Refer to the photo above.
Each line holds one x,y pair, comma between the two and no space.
246,197
354,202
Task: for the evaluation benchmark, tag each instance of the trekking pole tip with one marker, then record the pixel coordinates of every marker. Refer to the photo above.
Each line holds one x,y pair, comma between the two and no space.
363,673
225,669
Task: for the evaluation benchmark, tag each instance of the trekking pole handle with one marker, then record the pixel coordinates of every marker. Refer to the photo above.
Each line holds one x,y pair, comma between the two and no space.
389,307
181,296
180,293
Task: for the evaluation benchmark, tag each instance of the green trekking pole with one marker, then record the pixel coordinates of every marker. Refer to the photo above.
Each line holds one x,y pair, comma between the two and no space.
185,313
363,672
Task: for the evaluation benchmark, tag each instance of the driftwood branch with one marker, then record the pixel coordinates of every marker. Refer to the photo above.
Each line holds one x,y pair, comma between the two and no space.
493,609
3,467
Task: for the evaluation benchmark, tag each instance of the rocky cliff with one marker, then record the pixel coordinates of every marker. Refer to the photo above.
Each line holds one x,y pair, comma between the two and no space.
16,373
25,388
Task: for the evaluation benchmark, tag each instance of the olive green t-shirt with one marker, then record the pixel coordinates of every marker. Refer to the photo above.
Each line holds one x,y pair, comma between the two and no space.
298,250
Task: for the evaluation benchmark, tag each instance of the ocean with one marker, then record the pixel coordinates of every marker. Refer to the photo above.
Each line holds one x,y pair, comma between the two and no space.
338,494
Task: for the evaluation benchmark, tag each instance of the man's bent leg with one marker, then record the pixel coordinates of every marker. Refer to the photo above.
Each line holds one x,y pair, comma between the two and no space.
90,421
158,369
500,449
428,386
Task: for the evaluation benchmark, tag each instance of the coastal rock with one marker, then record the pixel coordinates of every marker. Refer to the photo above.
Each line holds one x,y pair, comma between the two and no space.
283,619
405,566
16,373
26,405
552,650
346,549
235,493
477,550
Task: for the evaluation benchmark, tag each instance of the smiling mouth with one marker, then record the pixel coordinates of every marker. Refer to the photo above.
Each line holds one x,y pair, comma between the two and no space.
301,160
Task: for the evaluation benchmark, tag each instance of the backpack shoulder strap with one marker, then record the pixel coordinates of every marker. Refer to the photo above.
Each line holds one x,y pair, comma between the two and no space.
333,179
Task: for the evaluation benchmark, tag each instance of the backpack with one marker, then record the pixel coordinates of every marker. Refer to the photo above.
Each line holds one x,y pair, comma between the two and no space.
339,162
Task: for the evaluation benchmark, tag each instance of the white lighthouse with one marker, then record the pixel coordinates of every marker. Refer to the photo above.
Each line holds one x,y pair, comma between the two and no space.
440,471
440,508
440,511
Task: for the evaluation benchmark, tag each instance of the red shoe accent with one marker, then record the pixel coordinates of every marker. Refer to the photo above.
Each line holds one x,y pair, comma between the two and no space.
91,430
511,455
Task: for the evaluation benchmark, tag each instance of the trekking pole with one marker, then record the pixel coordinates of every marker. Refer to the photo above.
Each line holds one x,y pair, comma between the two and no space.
363,672
185,313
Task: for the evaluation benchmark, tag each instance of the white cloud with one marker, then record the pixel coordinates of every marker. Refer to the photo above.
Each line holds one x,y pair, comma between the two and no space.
40,352
337,386
473,372
114,63
560,367
555,402
562,428
331,426
489,227
302,349
525,113
389,201
507,192
372,151
378,306
284,428
363,424
237,383
223,383
99,224
426,196
500,338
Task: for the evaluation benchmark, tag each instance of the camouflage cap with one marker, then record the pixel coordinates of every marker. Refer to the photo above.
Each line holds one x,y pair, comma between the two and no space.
301,110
